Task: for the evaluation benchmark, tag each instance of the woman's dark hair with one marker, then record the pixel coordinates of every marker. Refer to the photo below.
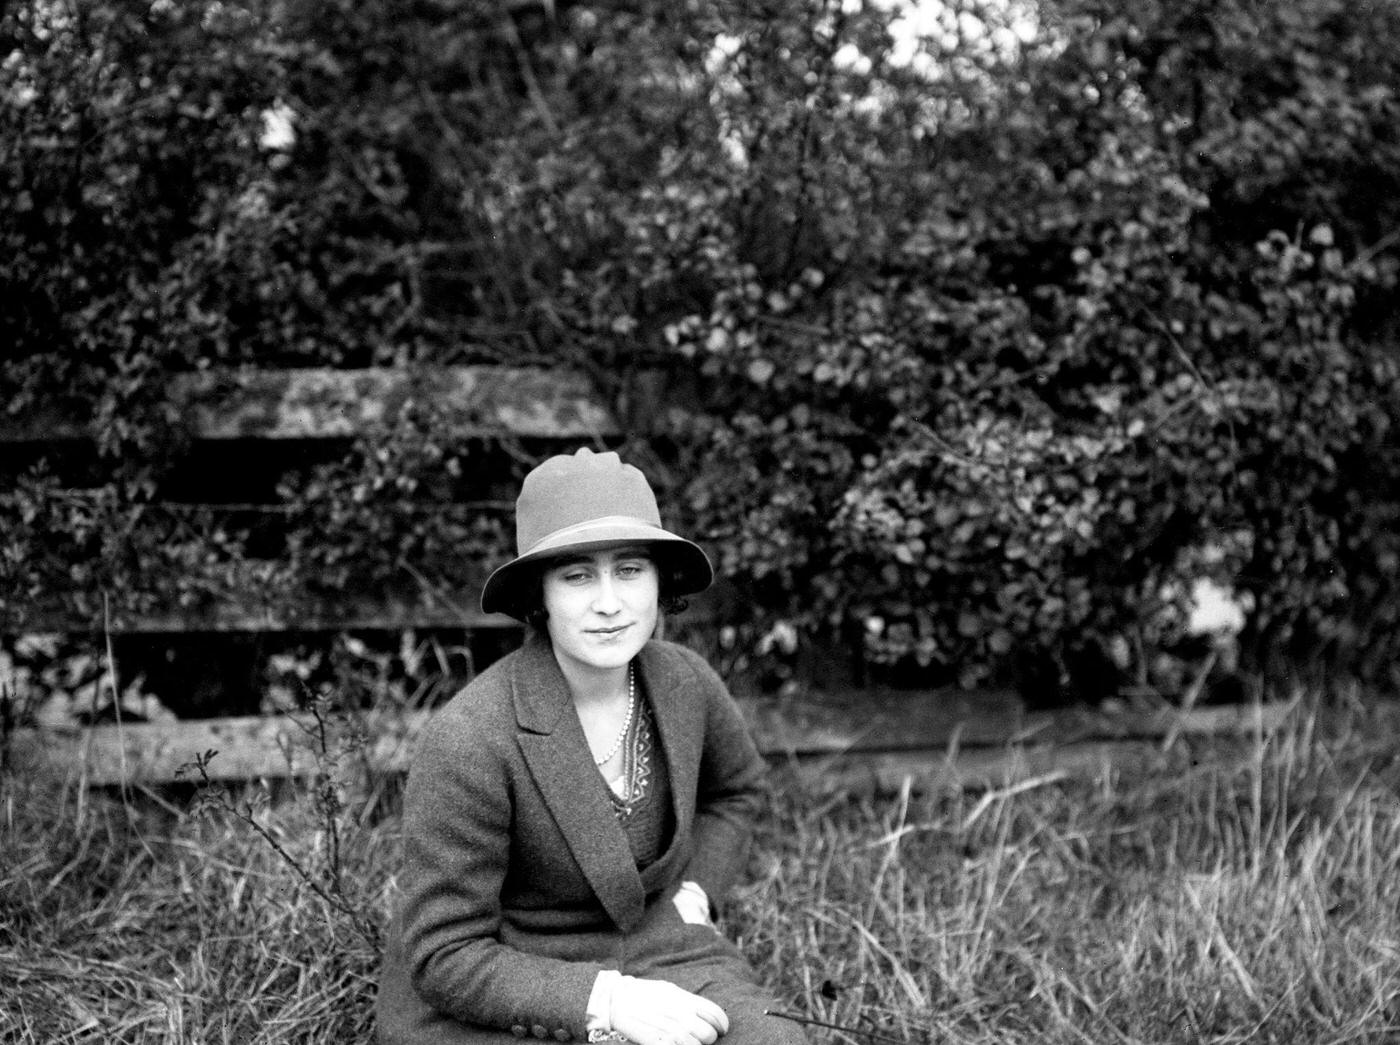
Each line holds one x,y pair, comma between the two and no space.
533,603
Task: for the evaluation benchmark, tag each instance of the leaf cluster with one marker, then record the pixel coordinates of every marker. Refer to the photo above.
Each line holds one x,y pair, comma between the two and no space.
972,338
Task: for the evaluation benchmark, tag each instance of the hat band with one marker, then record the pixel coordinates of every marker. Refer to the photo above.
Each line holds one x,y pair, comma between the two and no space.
581,530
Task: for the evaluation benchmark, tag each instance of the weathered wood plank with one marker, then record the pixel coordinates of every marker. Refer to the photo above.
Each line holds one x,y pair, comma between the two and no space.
886,721
250,614
323,403
279,746
900,721
249,747
1050,746
1072,726
980,769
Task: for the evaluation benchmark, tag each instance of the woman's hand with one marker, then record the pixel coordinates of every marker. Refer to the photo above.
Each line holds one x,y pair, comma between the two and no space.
654,1012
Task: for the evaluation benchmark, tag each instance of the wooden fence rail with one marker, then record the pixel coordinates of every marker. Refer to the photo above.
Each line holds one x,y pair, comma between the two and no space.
970,738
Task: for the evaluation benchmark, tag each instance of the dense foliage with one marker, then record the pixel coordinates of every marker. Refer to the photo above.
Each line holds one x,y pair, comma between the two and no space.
985,328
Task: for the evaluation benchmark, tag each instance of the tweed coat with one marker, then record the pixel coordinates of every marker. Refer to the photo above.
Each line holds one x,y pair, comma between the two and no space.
518,885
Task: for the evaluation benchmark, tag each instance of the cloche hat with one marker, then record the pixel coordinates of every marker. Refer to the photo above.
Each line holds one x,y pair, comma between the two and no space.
581,501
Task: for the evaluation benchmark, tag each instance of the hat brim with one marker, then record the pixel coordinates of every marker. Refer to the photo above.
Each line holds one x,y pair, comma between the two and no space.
509,589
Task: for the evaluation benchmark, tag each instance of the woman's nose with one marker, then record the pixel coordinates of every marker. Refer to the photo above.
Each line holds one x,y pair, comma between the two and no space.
605,596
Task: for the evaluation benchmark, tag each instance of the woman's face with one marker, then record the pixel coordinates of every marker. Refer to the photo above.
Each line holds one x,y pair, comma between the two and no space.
602,606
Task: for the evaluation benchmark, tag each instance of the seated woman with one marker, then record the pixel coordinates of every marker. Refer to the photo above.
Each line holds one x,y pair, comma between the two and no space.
573,813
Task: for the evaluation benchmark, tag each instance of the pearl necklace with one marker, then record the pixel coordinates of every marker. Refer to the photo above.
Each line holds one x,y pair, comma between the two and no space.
626,722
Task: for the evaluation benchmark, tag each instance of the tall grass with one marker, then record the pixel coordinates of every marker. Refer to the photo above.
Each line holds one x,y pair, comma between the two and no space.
1238,891
130,923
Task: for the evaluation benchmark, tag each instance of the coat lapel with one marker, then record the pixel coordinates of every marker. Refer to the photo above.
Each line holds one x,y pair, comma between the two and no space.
678,712
556,752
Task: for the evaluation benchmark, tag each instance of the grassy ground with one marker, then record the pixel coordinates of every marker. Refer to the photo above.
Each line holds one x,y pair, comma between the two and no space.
1247,891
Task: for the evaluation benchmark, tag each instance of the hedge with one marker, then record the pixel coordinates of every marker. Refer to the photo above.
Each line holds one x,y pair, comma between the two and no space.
980,345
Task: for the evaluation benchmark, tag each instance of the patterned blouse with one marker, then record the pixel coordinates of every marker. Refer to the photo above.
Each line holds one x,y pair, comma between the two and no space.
641,795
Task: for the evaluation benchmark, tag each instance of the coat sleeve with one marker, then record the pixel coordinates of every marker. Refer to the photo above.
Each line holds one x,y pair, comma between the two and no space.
457,822
729,792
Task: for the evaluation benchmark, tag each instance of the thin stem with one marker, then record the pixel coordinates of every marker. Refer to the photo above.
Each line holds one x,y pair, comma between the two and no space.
872,1035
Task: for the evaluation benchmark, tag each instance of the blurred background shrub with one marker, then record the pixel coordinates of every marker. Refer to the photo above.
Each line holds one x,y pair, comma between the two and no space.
985,332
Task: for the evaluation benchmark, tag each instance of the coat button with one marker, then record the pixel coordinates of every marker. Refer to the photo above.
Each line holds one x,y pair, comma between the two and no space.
562,1034
519,1030
539,1030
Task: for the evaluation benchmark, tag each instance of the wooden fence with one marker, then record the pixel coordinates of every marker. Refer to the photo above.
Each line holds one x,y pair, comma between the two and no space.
885,739
281,406
880,740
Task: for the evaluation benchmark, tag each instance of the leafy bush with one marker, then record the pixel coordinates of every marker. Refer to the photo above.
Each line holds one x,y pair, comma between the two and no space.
980,337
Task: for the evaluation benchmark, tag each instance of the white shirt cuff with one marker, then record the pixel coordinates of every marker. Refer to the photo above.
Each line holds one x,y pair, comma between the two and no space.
693,903
598,1015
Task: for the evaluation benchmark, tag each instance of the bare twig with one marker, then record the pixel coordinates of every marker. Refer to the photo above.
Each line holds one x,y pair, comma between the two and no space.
1382,244
336,897
872,1035
527,73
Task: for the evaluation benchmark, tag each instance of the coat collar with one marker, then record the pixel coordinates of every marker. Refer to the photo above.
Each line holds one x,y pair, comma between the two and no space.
538,689
552,742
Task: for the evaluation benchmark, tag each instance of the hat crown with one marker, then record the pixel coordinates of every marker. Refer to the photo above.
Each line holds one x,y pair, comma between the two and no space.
585,501
569,489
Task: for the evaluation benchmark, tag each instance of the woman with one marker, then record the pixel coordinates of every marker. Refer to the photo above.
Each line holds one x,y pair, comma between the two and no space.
573,813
